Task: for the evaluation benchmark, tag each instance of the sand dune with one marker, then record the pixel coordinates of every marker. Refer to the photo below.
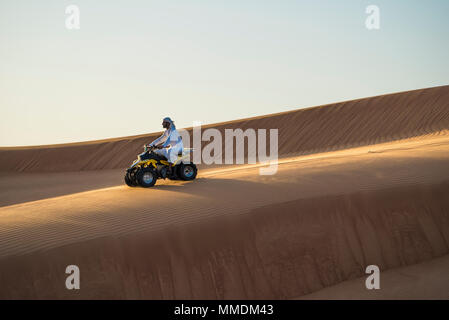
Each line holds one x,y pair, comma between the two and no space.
304,131
426,280
316,223
370,187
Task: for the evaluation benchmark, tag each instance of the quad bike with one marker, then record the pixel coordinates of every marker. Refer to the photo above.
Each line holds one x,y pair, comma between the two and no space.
150,166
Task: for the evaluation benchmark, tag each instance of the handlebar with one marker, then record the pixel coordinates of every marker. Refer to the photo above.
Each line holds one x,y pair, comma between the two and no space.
150,148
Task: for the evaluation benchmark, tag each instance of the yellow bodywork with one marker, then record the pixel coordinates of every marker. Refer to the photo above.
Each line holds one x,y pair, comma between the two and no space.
153,162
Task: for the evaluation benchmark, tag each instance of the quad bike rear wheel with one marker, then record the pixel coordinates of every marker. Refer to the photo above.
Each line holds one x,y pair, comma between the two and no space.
146,177
187,171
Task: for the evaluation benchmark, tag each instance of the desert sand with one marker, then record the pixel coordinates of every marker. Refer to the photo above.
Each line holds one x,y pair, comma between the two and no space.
359,182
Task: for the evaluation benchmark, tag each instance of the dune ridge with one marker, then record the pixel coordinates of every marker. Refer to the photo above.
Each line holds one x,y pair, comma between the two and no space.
331,127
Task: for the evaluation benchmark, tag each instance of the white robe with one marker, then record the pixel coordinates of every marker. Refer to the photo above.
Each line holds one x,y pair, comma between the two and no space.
169,137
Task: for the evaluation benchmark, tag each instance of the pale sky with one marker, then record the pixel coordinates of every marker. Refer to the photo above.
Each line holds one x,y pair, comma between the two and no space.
134,62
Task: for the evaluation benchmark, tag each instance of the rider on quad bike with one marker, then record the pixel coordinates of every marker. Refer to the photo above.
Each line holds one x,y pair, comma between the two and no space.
163,158
169,144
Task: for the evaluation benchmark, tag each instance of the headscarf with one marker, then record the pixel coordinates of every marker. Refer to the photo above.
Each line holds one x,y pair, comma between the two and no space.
172,124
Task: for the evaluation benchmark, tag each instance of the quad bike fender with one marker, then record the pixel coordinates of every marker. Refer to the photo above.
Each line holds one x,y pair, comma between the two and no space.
148,163
166,163
182,159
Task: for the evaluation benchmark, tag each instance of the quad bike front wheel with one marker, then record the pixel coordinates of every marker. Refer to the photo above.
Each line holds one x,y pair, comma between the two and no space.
129,180
146,177
187,171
